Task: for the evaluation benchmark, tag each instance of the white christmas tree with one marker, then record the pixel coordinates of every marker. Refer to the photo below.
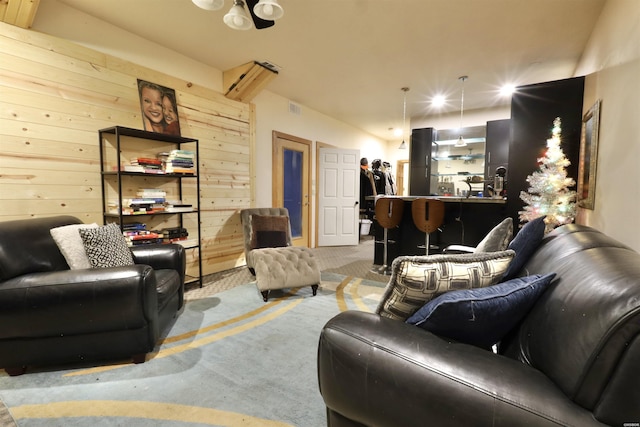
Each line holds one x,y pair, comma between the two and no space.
549,193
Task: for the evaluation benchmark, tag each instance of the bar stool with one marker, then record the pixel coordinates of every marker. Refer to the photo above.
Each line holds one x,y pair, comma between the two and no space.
428,216
388,213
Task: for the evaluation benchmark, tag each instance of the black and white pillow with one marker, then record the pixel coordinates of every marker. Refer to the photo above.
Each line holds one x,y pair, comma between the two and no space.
106,246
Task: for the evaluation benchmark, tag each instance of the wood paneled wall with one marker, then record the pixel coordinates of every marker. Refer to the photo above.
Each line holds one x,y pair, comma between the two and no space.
55,95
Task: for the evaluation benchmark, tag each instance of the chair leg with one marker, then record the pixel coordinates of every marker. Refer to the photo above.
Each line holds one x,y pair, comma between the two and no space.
314,289
426,243
139,358
16,370
265,295
385,243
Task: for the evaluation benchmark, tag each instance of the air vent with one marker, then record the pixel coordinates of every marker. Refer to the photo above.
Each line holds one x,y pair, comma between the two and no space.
295,109
270,65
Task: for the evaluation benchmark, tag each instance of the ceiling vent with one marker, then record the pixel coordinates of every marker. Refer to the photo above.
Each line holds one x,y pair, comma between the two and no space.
295,108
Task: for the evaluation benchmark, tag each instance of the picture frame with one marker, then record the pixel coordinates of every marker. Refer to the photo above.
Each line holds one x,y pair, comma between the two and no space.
158,108
587,167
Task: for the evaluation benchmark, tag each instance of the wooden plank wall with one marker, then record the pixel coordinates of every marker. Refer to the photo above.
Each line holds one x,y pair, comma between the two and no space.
55,95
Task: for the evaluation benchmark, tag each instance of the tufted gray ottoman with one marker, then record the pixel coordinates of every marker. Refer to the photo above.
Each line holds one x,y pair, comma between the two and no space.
285,267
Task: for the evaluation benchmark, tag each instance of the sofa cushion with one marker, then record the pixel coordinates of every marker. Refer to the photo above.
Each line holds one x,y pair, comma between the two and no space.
525,244
481,317
70,244
416,280
498,238
269,231
106,246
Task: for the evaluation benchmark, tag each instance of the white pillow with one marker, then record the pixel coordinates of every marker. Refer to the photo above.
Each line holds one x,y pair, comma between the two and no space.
70,244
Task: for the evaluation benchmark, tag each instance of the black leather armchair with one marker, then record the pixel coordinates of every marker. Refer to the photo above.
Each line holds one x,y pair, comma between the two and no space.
50,314
573,361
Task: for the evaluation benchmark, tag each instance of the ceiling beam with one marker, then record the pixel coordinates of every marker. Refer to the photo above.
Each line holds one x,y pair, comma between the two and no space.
20,13
244,82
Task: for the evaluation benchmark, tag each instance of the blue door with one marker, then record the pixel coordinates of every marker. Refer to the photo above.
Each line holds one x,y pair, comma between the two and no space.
293,198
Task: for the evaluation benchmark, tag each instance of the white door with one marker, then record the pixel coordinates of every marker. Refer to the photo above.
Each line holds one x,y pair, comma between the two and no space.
339,195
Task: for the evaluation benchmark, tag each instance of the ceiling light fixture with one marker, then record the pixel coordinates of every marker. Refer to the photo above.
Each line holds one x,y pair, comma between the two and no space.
268,10
461,142
403,145
209,4
263,13
237,17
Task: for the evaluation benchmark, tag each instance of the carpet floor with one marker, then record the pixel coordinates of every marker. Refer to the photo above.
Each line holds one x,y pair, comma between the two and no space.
228,360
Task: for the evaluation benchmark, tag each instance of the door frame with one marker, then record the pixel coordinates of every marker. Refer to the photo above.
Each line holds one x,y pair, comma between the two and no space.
277,181
400,178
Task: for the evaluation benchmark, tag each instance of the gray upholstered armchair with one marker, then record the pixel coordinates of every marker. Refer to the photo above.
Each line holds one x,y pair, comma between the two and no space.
270,255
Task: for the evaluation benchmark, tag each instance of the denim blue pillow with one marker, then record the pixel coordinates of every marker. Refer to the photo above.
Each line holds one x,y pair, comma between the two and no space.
525,244
482,316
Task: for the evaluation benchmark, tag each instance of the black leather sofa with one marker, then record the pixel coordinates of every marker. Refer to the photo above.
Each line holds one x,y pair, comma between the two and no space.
50,314
573,361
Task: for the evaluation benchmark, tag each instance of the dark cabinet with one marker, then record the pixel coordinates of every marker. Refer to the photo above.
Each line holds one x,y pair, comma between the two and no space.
420,161
497,147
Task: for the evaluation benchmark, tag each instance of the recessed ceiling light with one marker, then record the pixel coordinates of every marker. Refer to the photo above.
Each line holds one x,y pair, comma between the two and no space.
507,90
438,101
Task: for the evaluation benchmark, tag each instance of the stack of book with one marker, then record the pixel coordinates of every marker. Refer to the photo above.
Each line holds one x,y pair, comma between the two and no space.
145,165
180,162
177,235
137,234
148,201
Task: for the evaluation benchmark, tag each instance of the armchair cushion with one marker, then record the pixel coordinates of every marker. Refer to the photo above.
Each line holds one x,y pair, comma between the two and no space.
498,238
415,280
106,246
481,317
268,231
69,242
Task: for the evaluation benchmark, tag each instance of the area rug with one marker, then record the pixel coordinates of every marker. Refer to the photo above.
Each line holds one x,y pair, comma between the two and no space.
228,360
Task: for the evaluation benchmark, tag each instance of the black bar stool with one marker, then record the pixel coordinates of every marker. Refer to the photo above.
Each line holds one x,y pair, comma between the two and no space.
428,216
388,213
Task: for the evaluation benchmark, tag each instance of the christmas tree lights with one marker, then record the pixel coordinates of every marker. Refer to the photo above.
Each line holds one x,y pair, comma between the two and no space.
549,192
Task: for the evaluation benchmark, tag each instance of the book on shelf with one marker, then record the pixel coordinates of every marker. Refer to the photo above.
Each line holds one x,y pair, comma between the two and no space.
133,168
178,209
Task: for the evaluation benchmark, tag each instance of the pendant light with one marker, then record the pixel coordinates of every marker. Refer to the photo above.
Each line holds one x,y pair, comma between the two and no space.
268,10
209,4
237,17
403,145
461,142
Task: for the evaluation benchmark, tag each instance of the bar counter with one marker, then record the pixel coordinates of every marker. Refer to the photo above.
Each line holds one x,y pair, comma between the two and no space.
466,221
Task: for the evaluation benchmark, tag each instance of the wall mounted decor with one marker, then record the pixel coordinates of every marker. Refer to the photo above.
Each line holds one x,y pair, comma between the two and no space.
159,108
588,157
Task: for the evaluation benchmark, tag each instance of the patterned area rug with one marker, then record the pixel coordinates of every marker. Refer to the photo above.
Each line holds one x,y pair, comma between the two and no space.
229,360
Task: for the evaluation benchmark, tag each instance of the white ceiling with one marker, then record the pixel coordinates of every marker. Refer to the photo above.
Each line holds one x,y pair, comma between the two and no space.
349,59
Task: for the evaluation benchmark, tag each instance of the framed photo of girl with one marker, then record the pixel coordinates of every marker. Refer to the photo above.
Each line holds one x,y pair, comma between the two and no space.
588,157
159,108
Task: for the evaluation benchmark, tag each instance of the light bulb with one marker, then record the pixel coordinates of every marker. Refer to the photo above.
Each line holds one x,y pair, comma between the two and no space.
267,9
237,20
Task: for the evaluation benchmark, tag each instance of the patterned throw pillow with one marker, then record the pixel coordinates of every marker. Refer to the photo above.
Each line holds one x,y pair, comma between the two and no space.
106,246
415,280
498,238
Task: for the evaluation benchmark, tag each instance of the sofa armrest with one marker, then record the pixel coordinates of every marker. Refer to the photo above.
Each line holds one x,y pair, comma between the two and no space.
159,257
79,301
379,371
